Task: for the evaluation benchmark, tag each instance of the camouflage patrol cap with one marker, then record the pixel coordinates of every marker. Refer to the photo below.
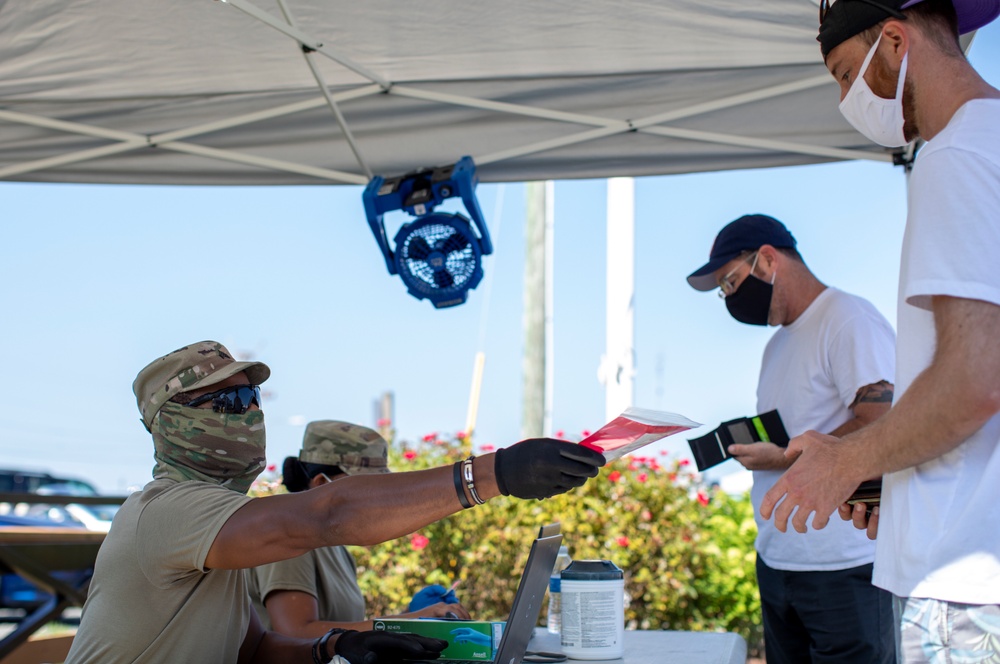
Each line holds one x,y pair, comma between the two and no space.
189,368
355,449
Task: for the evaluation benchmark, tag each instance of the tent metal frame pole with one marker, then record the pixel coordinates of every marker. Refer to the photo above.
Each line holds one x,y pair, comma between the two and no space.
130,141
766,144
646,125
304,39
321,82
267,114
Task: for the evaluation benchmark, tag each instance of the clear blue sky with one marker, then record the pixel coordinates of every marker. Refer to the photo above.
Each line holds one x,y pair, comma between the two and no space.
99,280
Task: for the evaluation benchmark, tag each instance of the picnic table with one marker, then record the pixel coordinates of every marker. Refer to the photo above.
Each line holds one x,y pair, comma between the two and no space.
38,554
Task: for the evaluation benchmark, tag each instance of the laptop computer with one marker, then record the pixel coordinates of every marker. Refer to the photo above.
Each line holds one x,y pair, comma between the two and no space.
528,600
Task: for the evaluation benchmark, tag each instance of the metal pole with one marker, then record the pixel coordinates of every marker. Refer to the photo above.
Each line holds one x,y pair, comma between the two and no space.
533,361
618,365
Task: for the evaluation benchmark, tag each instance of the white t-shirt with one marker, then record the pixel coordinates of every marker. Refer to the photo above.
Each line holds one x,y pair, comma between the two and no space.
939,531
811,372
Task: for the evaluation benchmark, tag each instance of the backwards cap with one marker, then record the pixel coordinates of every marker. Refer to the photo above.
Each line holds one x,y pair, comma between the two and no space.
846,18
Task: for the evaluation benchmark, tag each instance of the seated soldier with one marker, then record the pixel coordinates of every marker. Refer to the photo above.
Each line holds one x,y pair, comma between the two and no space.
308,595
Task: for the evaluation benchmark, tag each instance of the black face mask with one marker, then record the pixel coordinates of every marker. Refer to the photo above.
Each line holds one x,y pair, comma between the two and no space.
751,302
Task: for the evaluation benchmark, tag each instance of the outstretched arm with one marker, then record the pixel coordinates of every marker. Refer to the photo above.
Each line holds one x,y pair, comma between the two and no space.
365,510
948,402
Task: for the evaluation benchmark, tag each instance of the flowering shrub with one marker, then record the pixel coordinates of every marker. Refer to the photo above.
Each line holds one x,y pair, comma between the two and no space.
687,552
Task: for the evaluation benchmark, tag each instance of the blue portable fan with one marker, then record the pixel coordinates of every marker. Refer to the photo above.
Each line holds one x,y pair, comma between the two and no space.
437,255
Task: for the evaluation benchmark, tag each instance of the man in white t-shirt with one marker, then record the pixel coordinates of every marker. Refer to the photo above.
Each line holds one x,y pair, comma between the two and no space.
903,75
829,367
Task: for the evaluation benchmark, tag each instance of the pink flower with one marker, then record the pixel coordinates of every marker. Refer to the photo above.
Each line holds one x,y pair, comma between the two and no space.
409,454
622,541
487,448
642,477
418,542
702,497
430,438
647,515
585,433
684,462
461,434
271,468
664,453
384,422
560,434
614,476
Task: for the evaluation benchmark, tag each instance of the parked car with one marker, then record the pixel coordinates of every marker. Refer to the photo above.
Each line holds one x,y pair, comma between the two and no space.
92,517
28,481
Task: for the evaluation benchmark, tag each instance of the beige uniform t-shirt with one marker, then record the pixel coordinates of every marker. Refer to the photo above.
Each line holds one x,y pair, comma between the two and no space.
328,574
151,599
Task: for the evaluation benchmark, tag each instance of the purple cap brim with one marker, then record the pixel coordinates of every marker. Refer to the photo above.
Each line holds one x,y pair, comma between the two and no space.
972,14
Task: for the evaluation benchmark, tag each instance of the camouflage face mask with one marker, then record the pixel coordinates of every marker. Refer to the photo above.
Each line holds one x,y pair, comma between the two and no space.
199,444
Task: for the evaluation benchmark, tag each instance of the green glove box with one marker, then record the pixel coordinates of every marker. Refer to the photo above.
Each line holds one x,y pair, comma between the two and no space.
472,640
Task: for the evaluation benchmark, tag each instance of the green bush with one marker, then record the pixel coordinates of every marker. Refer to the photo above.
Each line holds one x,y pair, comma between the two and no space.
687,553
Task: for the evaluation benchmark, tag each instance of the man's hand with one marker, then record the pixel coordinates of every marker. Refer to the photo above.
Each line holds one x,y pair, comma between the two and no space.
858,514
440,610
822,478
382,648
760,456
544,467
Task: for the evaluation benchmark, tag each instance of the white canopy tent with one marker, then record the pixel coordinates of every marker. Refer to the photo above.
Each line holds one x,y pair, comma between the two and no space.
260,92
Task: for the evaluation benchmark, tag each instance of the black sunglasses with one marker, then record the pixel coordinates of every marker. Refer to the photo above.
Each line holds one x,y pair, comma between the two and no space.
236,399
824,8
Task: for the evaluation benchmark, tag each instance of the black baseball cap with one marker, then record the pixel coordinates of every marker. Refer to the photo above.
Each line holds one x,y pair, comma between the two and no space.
748,233
846,18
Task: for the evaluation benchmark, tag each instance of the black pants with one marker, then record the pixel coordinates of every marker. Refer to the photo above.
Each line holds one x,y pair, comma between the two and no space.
825,617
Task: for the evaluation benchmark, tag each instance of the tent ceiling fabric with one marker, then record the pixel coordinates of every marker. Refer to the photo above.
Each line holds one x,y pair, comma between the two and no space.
210,92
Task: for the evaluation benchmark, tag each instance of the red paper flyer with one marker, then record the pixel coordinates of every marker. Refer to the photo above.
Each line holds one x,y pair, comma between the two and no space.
635,428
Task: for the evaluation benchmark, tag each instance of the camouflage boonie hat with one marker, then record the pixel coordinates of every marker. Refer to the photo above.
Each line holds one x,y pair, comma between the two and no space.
189,368
357,450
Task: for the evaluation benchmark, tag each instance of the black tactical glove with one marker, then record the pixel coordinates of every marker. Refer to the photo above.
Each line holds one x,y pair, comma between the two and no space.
380,648
543,467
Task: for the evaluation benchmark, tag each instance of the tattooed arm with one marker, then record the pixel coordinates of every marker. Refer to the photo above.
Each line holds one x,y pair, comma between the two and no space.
870,403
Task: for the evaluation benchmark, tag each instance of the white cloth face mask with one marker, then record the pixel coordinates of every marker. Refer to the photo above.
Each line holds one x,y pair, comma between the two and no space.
880,120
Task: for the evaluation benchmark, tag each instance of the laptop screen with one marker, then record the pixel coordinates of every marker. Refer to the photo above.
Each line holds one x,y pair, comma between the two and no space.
530,594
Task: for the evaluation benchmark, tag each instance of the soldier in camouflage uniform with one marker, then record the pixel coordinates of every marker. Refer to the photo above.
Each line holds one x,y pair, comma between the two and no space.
308,595
169,584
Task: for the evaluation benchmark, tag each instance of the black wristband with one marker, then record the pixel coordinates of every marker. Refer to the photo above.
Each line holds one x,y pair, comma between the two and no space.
316,655
459,487
320,653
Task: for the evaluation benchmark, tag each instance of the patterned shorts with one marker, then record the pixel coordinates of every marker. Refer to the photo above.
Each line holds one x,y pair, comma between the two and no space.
937,632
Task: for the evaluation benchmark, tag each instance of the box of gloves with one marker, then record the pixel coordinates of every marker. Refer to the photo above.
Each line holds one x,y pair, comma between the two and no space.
471,640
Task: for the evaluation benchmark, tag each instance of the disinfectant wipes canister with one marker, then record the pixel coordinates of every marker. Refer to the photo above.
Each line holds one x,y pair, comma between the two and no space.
593,610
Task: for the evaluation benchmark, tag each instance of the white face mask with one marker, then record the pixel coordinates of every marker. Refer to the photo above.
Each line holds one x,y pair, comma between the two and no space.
878,119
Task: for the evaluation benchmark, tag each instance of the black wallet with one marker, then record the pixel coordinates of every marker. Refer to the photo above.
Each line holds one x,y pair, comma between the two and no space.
713,448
